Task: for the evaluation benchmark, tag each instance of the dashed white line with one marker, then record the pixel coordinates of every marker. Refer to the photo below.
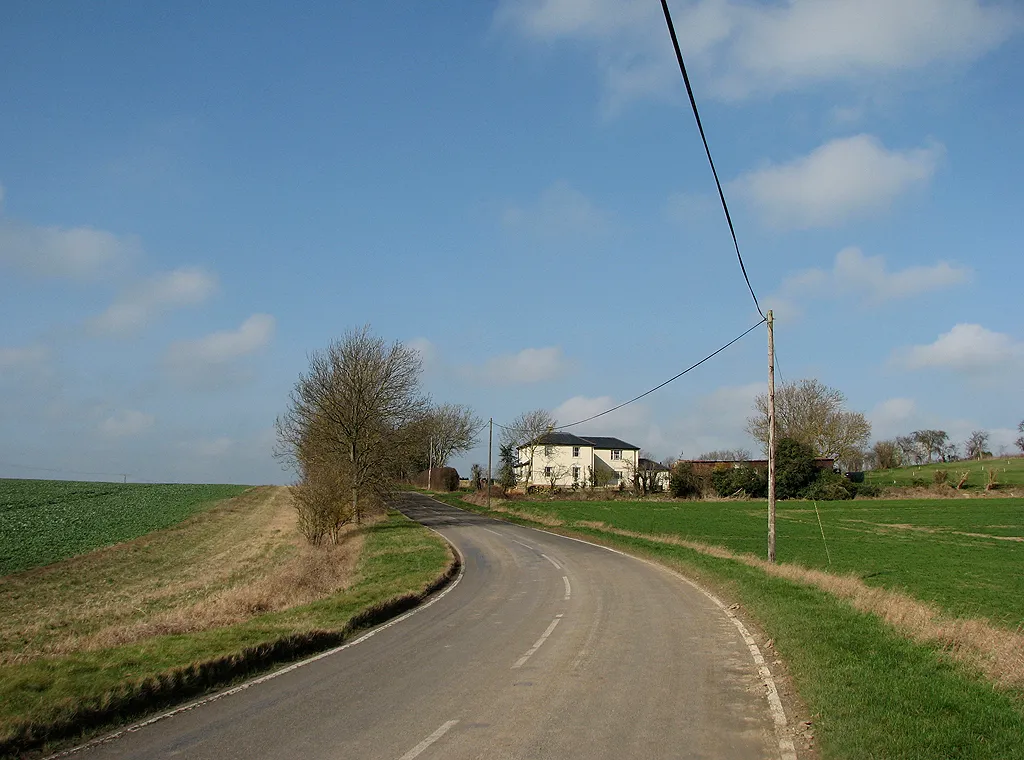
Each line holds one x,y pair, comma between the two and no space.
557,566
568,588
544,637
492,531
423,745
522,544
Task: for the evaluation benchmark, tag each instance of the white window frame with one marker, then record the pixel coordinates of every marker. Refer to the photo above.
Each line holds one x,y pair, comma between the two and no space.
547,472
575,474
575,451
616,455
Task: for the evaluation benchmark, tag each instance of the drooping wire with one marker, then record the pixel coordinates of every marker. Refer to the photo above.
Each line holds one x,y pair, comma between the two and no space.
707,150
662,385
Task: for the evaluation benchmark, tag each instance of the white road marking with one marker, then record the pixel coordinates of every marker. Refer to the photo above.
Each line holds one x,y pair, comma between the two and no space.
521,544
557,566
787,749
423,745
568,588
493,531
269,676
522,660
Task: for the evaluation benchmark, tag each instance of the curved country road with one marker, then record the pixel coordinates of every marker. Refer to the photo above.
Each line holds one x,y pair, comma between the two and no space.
545,648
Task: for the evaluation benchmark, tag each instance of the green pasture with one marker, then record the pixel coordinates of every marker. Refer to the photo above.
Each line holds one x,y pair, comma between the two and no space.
43,521
1009,472
869,691
962,554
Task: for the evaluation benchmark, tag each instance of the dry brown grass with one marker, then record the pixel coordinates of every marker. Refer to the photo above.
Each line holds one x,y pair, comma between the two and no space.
996,652
223,566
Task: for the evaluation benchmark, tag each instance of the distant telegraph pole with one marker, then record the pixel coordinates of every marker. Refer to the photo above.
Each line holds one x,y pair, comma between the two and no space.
771,437
490,446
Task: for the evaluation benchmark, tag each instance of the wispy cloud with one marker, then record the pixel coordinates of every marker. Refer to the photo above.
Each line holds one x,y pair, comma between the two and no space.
224,346
561,211
841,179
866,278
145,300
126,423
749,50
531,365
23,358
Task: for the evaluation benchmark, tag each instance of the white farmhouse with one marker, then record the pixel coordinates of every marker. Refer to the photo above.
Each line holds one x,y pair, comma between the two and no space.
563,459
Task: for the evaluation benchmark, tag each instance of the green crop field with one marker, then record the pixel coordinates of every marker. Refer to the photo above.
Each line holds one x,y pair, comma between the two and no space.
43,521
965,555
1009,473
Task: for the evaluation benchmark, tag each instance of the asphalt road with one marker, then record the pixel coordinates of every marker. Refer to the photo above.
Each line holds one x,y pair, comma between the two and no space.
545,648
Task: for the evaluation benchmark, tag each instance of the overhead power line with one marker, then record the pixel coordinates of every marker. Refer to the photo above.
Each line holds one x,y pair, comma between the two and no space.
662,385
707,150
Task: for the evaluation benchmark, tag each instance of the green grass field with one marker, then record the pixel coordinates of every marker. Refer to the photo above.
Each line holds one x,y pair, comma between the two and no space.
869,690
44,521
958,553
1009,473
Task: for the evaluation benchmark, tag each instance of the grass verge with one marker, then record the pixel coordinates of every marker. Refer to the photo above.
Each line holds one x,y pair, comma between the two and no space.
50,699
872,692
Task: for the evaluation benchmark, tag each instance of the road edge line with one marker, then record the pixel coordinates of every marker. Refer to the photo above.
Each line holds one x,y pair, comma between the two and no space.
787,749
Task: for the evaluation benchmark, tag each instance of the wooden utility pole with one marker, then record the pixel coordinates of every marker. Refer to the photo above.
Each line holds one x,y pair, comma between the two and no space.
430,462
490,446
771,437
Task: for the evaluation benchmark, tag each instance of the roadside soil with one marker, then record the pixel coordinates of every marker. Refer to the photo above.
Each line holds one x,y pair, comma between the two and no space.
242,558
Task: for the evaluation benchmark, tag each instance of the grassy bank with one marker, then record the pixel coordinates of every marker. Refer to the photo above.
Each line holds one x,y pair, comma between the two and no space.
44,521
872,691
66,679
1009,474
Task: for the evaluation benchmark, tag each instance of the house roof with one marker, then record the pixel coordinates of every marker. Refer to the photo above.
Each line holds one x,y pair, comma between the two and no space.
568,439
650,464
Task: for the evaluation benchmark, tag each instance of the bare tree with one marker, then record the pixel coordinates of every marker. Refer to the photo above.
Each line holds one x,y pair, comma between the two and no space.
933,442
811,412
526,431
974,447
1020,441
725,455
885,455
452,429
354,410
911,450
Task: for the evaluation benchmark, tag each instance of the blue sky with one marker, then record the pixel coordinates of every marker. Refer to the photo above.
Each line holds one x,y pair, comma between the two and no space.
193,199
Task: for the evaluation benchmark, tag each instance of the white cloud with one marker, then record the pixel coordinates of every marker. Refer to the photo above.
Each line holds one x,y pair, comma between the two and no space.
966,348
428,352
147,299
841,179
225,346
211,448
531,365
24,358
863,277
560,211
77,253
746,49
126,423
892,417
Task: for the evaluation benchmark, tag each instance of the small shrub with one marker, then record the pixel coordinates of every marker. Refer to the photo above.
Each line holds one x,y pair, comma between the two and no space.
684,483
918,482
830,487
795,469
940,476
855,477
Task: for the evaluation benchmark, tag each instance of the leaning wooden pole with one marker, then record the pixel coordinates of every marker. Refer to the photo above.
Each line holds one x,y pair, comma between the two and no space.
771,437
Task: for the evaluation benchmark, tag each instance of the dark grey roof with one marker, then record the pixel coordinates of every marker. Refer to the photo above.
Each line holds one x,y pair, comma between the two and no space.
568,439
650,464
603,442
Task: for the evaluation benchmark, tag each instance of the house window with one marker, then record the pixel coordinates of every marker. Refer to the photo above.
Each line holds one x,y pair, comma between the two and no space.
616,453
575,474
547,472
575,451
